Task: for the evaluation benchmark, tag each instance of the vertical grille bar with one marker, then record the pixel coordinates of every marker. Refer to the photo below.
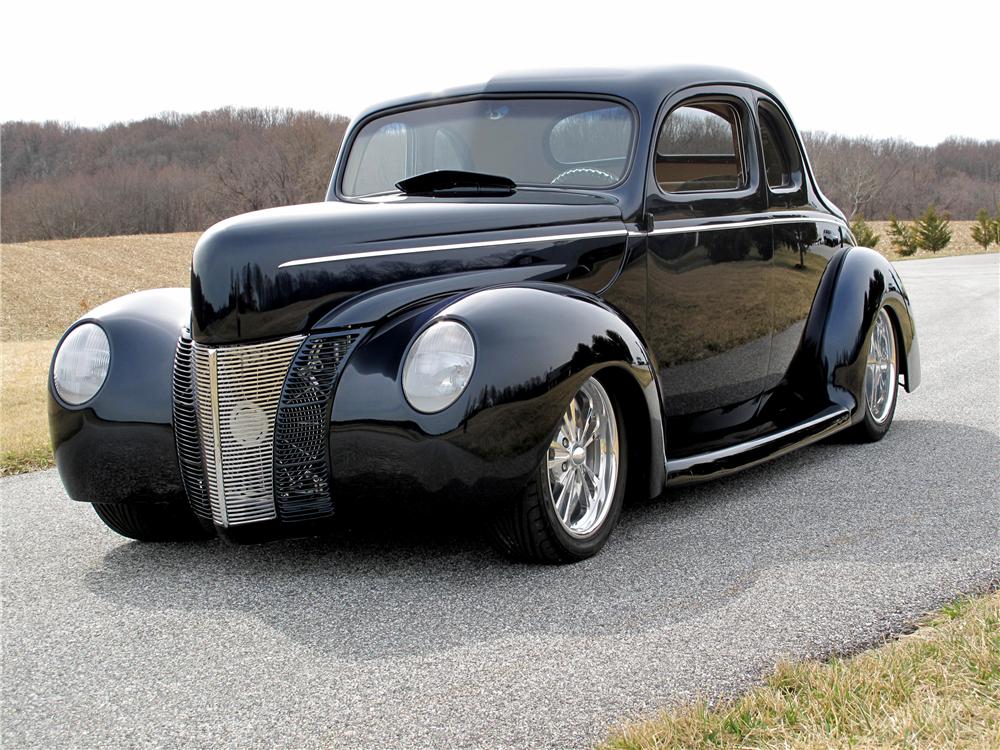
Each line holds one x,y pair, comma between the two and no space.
189,455
237,389
301,432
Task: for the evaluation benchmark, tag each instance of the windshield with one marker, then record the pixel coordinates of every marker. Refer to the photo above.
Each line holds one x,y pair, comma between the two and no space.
563,142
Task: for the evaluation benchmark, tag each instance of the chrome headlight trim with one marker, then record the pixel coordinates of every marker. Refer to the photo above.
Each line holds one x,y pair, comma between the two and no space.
81,364
438,366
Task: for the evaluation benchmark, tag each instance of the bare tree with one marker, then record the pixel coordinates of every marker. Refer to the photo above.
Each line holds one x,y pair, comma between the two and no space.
164,174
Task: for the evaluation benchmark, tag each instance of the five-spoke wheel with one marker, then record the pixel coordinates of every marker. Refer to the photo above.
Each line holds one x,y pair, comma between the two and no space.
582,462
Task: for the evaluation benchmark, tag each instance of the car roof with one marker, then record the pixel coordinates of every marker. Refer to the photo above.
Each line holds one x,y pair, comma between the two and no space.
644,87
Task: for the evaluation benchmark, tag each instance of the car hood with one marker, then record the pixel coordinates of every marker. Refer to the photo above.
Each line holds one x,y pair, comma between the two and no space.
279,271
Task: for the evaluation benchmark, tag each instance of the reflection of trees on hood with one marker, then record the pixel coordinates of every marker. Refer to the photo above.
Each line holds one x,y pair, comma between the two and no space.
258,290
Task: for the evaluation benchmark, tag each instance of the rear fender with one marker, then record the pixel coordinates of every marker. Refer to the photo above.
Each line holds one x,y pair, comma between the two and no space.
865,282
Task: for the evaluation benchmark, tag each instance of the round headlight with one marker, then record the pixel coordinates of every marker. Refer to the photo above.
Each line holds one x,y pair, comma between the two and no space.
439,366
81,364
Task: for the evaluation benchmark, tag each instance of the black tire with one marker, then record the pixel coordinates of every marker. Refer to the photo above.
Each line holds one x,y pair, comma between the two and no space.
870,429
528,528
149,522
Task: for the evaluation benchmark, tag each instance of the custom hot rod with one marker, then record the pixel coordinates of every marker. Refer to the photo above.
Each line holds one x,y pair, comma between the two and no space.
540,294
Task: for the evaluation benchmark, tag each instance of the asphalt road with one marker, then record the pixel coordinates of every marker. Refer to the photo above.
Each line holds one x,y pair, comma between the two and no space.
407,633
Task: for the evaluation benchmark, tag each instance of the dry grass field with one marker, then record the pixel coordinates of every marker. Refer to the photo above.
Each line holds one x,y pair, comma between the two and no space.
45,286
48,285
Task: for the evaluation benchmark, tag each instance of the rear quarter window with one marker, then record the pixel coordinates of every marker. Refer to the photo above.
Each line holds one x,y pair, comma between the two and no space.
782,163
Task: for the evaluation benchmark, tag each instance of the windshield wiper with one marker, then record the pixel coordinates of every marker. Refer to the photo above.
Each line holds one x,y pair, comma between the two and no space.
456,182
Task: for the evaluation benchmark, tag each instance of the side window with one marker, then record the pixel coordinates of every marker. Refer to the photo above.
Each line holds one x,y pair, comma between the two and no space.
782,164
699,149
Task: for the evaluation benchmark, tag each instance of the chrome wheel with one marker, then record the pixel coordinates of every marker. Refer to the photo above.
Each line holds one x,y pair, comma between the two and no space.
582,461
881,370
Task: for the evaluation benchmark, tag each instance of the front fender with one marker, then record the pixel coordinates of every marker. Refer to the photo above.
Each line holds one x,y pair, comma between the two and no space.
535,345
865,282
119,447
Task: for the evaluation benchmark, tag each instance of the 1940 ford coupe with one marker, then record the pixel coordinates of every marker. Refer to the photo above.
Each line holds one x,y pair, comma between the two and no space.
540,294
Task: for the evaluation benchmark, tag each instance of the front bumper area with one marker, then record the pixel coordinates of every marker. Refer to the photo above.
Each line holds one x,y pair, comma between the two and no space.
107,461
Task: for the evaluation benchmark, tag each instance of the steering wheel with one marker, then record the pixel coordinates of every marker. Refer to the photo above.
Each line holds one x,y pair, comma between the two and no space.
606,177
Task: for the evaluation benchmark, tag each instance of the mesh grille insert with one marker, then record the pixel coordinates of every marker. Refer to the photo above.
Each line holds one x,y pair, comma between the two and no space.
301,465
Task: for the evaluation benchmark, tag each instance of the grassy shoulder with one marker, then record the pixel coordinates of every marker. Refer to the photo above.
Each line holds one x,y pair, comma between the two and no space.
937,687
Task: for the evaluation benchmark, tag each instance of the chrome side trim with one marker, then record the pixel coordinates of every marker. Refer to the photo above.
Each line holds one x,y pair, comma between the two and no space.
455,246
709,227
716,226
833,416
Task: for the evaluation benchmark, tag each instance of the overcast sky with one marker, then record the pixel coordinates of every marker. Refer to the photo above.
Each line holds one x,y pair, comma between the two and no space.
858,68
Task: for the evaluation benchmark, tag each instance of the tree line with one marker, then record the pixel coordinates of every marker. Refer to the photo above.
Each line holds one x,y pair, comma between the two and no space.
175,172
170,173
887,177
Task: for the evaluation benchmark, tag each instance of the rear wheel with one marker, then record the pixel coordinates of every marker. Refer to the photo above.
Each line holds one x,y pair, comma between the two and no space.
152,522
881,381
573,501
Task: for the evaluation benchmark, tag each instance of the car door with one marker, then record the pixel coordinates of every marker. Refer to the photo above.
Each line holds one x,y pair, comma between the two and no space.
806,236
709,252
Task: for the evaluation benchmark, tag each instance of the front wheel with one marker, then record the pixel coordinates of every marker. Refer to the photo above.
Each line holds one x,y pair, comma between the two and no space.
881,381
152,522
573,501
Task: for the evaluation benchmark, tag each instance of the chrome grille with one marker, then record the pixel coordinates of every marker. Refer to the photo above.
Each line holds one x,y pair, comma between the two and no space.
186,430
301,465
237,389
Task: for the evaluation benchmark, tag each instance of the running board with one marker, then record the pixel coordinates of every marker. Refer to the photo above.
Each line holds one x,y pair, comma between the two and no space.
729,460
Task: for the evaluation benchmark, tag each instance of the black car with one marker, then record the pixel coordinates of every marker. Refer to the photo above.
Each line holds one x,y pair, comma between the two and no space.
539,294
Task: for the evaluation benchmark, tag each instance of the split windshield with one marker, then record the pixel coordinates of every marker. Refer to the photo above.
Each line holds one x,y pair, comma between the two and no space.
532,141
